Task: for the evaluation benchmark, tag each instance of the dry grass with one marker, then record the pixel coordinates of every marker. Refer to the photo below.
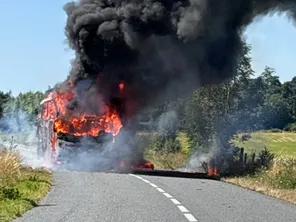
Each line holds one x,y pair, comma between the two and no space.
282,173
278,181
10,166
20,188
283,194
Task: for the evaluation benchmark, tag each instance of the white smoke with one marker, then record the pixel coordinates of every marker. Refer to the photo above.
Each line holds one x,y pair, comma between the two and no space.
168,123
19,134
104,153
200,159
80,158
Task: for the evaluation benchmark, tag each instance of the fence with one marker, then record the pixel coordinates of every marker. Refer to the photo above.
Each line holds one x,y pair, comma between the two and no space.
239,163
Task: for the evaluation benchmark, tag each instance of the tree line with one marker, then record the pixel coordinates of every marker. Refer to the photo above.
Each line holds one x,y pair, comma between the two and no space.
245,103
16,109
215,113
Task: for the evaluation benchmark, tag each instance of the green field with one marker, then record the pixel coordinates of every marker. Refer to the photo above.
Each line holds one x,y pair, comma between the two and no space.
281,144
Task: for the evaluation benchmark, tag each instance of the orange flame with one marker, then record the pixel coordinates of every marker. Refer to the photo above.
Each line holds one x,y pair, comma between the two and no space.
121,86
213,172
56,102
147,165
78,124
142,165
89,125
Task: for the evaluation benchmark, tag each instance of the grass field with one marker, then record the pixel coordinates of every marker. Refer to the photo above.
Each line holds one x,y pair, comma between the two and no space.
20,188
281,144
280,179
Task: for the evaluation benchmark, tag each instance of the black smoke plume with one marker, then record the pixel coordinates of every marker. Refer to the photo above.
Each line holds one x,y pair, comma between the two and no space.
160,48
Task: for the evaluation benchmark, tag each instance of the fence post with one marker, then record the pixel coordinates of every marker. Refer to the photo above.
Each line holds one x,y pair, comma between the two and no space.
253,158
241,157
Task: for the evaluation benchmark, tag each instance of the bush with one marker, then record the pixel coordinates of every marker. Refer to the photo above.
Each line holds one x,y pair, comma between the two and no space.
245,137
274,130
230,163
184,142
290,127
162,160
10,193
160,143
166,152
282,173
265,158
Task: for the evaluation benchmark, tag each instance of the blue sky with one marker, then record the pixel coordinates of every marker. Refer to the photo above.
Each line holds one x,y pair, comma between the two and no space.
33,53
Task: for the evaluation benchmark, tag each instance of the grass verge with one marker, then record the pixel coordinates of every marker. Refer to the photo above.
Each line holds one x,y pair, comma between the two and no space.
20,188
278,181
281,143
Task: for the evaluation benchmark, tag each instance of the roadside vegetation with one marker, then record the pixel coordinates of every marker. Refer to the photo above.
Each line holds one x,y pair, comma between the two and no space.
273,174
163,153
257,114
278,180
278,177
20,188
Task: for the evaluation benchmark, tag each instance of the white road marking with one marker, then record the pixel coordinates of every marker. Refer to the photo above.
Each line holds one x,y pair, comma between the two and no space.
160,190
152,184
133,175
183,209
167,195
146,181
189,216
138,177
175,201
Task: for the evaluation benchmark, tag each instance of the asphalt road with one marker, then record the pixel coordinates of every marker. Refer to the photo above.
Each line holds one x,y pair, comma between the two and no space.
88,197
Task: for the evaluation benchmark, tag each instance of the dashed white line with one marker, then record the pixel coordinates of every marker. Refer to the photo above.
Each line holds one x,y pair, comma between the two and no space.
138,177
175,201
183,209
160,190
168,195
152,184
189,216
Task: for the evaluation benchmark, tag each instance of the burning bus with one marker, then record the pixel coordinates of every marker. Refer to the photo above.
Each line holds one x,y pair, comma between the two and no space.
66,128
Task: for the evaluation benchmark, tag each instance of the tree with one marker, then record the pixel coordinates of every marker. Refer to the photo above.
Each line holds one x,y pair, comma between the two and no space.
4,99
289,94
277,109
15,109
276,112
272,84
222,109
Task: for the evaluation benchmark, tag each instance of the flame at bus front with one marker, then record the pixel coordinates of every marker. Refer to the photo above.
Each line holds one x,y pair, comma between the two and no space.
78,124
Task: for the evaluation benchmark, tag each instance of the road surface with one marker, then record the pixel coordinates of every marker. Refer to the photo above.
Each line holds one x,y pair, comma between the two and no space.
89,197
